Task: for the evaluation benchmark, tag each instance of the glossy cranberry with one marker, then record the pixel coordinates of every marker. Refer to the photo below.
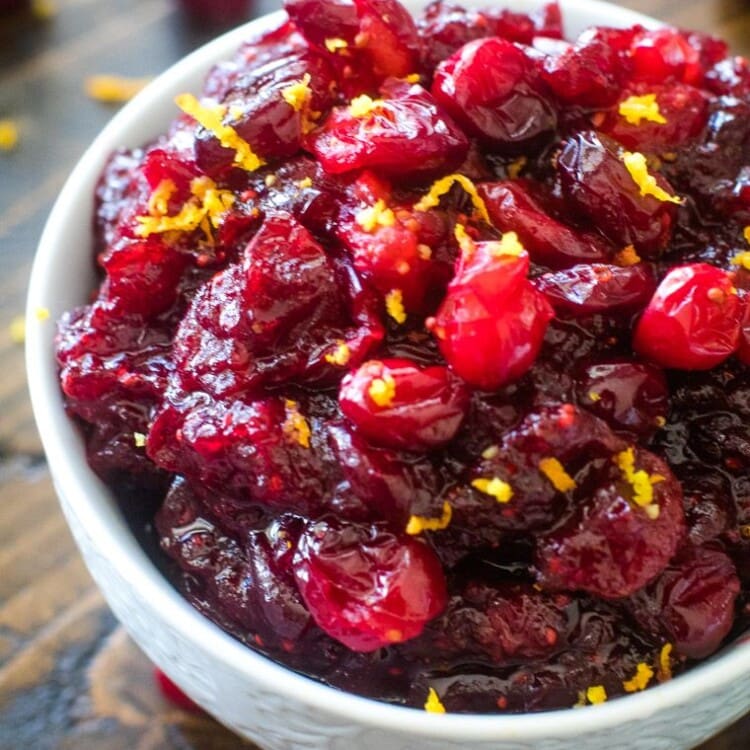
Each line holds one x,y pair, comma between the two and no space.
273,317
598,288
597,185
692,603
666,54
365,586
419,410
404,134
532,501
632,397
492,89
592,72
445,27
376,484
611,546
684,107
492,321
513,206
743,352
142,276
504,623
710,508
693,320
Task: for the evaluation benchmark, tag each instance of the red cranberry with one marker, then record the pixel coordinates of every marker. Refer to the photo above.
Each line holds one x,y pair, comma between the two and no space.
142,276
612,546
491,323
597,185
399,405
513,206
632,397
692,603
492,89
592,72
730,77
405,135
665,55
692,321
683,107
598,288
367,587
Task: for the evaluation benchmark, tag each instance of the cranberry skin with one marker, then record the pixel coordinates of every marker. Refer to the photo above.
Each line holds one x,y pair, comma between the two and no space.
632,397
693,320
319,20
598,187
665,55
730,77
685,109
611,547
743,352
274,316
591,73
504,623
426,411
492,89
367,587
598,288
406,136
692,603
142,276
513,206
237,448
492,321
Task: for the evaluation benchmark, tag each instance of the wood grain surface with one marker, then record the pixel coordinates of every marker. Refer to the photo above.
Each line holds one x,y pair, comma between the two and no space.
69,676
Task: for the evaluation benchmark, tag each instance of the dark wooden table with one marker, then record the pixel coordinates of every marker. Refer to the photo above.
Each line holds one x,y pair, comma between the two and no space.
69,676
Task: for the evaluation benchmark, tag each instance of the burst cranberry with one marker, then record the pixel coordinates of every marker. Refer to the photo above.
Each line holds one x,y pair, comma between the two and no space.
598,186
592,72
398,405
405,135
367,587
692,603
743,352
272,122
274,317
492,89
692,321
513,206
682,116
618,540
492,321
632,397
598,288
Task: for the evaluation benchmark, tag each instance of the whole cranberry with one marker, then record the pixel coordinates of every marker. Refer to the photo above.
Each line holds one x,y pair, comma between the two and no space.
660,55
592,72
632,397
493,90
613,545
365,586
405,135
492,321
514,206
586,289
399,405
692,603
693,321
598,187
683,114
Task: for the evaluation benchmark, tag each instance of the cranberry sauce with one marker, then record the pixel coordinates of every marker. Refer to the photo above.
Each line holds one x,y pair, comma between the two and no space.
423,344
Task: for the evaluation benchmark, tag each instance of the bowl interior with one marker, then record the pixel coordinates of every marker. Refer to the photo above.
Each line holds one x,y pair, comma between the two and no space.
62,278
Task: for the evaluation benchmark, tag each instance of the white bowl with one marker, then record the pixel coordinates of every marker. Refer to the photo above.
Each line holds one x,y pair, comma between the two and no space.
256,697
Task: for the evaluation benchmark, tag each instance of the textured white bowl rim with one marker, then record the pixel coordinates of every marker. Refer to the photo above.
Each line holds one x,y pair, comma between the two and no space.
90,500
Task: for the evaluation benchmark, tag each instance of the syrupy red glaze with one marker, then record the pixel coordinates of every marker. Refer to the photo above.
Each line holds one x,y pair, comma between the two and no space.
445,394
